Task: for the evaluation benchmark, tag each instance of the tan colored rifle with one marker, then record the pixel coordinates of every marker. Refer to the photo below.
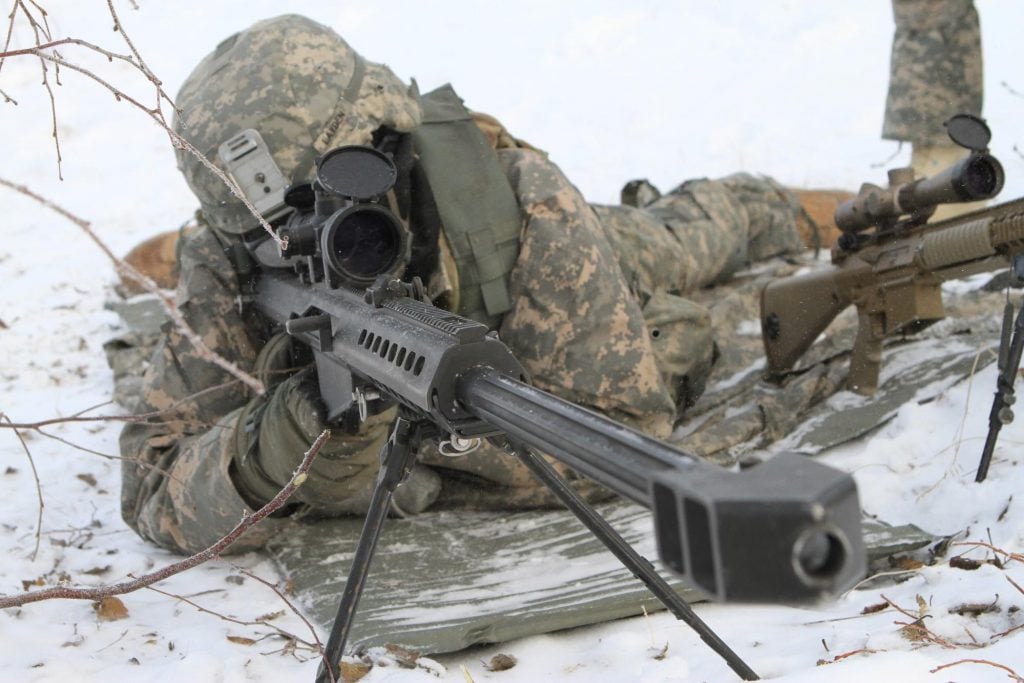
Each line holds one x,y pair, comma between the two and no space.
890,262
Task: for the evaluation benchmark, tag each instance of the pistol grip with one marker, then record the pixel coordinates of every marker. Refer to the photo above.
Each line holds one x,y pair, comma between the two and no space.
866,360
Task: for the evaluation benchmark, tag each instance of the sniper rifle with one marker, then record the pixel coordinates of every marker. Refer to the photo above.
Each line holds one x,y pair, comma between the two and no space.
890,262
787,530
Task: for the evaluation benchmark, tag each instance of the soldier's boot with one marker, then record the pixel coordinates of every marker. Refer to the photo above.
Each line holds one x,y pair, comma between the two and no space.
816,222
157,259
638,193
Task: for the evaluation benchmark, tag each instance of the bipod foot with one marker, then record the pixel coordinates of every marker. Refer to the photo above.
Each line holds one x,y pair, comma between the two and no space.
636,563
396,458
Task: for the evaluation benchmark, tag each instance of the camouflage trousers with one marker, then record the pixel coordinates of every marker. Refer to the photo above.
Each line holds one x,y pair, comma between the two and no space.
935,69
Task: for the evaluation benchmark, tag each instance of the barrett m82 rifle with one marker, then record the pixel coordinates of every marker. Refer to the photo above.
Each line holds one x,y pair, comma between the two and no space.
890,262
787,530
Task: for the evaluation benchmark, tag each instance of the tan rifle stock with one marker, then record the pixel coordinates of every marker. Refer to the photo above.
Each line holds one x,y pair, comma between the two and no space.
894,280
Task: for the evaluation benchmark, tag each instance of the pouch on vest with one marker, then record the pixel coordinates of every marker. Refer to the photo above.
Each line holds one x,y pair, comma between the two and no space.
479,212
681,336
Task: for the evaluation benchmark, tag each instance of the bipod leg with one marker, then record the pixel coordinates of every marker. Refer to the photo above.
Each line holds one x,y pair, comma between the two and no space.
631,559
1000,414
1011,345
396,456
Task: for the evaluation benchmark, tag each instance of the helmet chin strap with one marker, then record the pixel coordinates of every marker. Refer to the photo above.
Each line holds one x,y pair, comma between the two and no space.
342,108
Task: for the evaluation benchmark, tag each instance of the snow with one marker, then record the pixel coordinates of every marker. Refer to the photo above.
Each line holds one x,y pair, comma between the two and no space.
667,91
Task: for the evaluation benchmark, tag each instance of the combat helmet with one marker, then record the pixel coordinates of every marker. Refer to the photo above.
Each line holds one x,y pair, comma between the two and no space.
302,87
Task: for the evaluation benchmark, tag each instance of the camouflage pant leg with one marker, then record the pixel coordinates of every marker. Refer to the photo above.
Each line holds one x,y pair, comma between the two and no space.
772,212
698,234
701,232
574,324
935,69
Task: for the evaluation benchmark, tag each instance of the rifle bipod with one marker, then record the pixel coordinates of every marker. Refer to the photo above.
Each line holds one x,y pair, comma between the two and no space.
1011,346
397,457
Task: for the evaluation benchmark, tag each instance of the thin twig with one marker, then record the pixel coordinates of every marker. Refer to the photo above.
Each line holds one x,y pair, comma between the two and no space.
169,305
1009,672
140,63
296,612
177,140
247,522
39,489
10,34
45,31
234,620
147,417
981,544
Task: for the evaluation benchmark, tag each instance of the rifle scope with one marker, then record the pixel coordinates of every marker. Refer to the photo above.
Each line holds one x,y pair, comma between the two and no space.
339,222
975,177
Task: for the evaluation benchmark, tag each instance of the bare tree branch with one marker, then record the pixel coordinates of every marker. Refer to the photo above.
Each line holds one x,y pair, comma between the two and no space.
40,32
234,620
296,612
1009,672
981,544
155,112
96,593
140,63
149,417
39,488
168,303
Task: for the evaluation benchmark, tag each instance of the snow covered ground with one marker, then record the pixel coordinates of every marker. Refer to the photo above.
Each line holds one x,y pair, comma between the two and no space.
667,91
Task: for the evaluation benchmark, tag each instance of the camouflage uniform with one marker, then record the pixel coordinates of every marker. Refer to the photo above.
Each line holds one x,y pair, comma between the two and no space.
597,318
936,69
935,72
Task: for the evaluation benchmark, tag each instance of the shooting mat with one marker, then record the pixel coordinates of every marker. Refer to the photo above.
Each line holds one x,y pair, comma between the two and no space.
441,582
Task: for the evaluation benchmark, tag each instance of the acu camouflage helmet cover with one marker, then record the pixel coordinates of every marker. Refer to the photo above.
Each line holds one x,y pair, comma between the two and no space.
301,86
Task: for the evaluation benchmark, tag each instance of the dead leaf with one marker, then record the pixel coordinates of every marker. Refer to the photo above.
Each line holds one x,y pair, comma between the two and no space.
975,609
906,563
502,662
658,654
96,571
353,671
10,470
110,609
963,563
922,606
87,478
915,632
271,616
26,584
405,657
240,640
872,609
235,579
